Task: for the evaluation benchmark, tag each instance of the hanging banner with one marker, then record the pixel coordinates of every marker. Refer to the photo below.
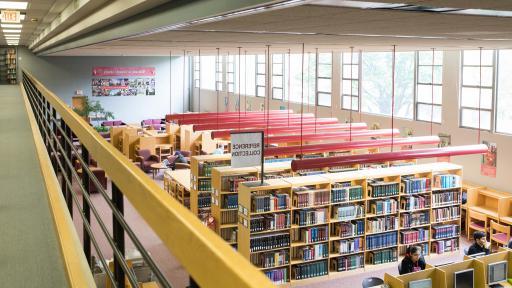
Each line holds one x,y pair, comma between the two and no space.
123,81
488,166
246,149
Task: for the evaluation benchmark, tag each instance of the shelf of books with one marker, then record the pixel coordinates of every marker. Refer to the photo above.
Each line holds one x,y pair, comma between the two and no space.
309,226
201,181
10,62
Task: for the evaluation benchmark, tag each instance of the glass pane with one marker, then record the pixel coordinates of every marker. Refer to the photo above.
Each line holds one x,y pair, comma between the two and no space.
425,93
231,68
196,74
277,81
504,93
425,57
231,87
196,83
277,69
324,58
471,76
470,119
277,93
346,58
350,74
324,99
231,77
469,98
472,57
425,74
347,90
219,86
260,68
325,71
260,92
260,80
425,110
277,58
346,102
324,85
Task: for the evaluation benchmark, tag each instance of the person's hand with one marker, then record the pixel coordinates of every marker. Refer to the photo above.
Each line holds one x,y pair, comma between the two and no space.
487,245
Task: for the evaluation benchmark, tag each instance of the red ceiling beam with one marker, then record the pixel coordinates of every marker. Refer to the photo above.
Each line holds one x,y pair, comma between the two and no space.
235,118
192,115
295,128
262,123
344,146
387,156
340,136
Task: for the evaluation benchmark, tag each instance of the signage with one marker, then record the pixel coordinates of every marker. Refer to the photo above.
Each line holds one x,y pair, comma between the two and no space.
10,16
246,149
123,71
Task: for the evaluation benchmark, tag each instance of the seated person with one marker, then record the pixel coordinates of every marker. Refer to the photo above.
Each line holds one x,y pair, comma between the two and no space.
481,245
413,261
510,244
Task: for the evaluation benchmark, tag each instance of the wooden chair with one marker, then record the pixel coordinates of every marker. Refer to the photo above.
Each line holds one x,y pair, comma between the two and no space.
476,222
499,234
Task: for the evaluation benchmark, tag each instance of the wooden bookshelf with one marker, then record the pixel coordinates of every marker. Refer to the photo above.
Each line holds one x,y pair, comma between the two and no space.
201,181
467,189
177,184
488,202
378,195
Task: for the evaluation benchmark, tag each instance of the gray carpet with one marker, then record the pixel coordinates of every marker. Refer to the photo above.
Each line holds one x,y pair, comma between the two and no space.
29,251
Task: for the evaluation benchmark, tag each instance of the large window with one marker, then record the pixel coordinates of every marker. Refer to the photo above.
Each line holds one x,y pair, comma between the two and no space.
477,83
429,86
218,73
260,75
377,83
504,93
207,78
196,71
278,61
350,81
230,75
248,75
324,79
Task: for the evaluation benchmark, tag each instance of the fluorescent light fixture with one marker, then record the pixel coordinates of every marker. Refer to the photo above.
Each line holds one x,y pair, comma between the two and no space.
22,17
12,30
15,26
12,36
12,39
13,5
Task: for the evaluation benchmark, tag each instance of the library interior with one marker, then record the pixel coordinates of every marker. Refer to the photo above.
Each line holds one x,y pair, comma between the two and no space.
280,143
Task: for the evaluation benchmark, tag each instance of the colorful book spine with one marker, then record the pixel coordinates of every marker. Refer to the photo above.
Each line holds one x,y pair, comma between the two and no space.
346,263
387,206
303,198
268,242
408,220
446,198
314,234
272,202
204,201
446,181
414,236
415,185
234,181
347,212
383,256
445,231
271,259
341,193
446,213
383,189
309,217
277,276
204,185
275,221
381,240
348,229
309,270
313,252
348,246
443,246
377,225
415,202
230,201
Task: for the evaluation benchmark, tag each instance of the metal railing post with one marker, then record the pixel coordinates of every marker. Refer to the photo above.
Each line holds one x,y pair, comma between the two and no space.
86,208
69,154
63,144
118,234
54,128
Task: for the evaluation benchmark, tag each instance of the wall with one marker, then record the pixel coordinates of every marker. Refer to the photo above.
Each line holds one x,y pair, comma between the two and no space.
450,120
65,75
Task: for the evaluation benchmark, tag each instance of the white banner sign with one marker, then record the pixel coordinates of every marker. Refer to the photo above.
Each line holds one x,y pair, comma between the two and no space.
246,149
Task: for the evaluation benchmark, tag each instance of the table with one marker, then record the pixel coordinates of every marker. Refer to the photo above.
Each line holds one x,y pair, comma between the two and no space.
155,168
163,150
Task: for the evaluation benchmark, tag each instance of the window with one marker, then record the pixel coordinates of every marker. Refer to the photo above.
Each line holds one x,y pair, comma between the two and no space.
196,71
207,73
296,78
377,83
278,76
350,81
218,73
504,92
324,79
248,76
260,75
231,74
426,86
475,86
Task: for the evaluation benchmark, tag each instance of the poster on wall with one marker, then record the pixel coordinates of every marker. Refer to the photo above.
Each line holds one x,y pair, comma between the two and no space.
123,81
488,166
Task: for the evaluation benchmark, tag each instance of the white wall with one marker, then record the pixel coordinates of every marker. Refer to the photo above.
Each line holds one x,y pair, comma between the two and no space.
65,75
450,122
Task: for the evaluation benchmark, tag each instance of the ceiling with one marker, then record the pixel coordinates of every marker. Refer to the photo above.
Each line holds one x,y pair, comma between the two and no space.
324,24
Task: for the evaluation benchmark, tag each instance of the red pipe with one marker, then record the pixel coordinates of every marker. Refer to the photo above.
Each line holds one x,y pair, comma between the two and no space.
235,118
190,115
387,156
344,146
226,134
331,136
261,123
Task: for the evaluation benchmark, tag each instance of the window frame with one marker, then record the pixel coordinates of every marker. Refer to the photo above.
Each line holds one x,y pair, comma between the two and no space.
282,75
197,69
493,93
258,73
219,73
228,83
317,91
417,103
358,79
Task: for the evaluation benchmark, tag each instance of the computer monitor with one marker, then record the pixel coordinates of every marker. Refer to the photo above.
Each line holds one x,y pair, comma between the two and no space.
497,272
477,255
464,279
424,283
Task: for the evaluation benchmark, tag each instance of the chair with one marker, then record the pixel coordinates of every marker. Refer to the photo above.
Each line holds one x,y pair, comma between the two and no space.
476,222
372,281
146,159
499,234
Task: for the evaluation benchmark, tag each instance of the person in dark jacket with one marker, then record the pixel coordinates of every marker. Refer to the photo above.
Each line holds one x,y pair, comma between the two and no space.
413,261
481,245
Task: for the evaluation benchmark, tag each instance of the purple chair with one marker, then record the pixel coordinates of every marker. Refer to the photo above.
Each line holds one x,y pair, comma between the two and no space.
112,123
146,159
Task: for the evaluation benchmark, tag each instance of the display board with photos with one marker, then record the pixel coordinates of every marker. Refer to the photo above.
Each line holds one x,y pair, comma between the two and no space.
123,81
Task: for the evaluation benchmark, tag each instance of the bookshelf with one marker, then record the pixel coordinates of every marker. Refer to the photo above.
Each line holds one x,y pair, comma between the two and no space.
487,201
201,181
350,220
8,65
177,184
467,189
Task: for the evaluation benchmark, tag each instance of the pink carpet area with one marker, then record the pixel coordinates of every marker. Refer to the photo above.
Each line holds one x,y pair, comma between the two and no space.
177,275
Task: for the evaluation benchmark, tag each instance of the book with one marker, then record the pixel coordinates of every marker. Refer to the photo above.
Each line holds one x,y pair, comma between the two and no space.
412,185
445,231
230,201
308,270
445,214
348,229
306,197
383,256
378,188
383,224
443,246
271,202
415,202
414,235
310,235
271,222
387,206
353,245
446,198
347,212
379,241
277,276
271,259
313,252
267,242
447,181
346,263
408,220
344,192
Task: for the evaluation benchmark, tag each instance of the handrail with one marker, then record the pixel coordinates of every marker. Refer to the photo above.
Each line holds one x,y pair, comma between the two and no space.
77,270
205,256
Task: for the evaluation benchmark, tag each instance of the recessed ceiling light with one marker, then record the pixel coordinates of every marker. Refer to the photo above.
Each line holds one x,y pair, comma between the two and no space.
18,26
22,17
12,30
13,5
